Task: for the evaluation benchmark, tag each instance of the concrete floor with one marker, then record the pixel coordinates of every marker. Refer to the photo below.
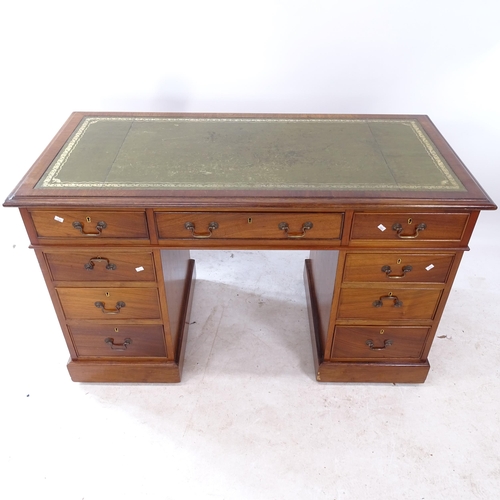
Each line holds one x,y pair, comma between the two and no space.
249,421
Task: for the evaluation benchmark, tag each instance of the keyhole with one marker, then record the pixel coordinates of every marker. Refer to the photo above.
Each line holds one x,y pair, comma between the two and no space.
116,330
382,332
398,261
88,219
390,294
249,220
410,221
107,294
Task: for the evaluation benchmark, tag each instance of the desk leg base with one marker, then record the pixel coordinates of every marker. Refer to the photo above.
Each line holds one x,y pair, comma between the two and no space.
125,371
397,373
141,371
337,371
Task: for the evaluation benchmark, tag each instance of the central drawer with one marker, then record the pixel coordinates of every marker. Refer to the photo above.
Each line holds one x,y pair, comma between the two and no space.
110,303
381,304
230,225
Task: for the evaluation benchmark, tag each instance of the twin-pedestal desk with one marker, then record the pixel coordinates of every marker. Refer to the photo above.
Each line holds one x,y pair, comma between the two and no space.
116,201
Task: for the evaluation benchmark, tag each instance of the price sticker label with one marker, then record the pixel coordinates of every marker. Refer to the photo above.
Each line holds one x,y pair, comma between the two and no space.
429,267
382,227
139,269
58,219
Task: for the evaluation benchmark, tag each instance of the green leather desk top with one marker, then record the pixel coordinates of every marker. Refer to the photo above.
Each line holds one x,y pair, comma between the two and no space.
131,152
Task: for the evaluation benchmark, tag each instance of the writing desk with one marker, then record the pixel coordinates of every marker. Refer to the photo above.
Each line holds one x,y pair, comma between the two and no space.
116,201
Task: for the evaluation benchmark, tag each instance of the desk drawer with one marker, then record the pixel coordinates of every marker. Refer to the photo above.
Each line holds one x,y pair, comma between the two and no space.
100,265
400,227
403,267
118,340
381,304
87,224
378,343
110,303
230,225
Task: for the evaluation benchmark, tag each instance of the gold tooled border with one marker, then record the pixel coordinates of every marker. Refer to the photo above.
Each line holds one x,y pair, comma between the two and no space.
51,180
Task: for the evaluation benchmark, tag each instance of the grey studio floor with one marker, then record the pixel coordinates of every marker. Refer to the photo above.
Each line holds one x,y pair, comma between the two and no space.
248,420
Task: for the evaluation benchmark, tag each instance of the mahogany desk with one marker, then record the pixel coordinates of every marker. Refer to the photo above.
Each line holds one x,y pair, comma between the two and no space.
116,201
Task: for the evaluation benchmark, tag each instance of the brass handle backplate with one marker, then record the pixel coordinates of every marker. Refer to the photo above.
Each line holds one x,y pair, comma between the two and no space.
116,310
283,226
100,226
387,270
90,264
211,227
371,345
380,302
399,230
118,347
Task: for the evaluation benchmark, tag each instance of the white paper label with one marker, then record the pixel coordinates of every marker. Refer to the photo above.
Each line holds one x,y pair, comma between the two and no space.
381,227
429,267
58,219
139,269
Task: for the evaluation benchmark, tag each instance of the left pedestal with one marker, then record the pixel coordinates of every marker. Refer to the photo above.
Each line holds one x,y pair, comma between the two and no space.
123,303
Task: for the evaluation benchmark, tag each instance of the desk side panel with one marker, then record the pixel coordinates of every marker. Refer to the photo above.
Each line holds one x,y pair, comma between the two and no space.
175,268
323,266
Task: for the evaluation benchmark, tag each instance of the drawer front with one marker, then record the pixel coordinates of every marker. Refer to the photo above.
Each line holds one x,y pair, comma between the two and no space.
89,224
380,304
391,267
408,227
109,303
101,265
119,340
378,343
278,226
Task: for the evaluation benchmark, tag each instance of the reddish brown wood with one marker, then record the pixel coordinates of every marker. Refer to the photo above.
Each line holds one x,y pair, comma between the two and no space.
55,301
417,303
343,276
379,226
145,340
176,274
390,342
123,371
140,303
404,267
172,225
393,372
322,270
187,303
313,315
100,265
58,223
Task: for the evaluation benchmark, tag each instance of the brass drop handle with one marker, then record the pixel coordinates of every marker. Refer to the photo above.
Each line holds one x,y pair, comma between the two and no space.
380,303
90,264
371,345
211,227
283,226
387,270
116,310
100,226
118,347
399,229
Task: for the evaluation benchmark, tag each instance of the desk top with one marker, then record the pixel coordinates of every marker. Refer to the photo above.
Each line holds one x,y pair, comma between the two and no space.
174,159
